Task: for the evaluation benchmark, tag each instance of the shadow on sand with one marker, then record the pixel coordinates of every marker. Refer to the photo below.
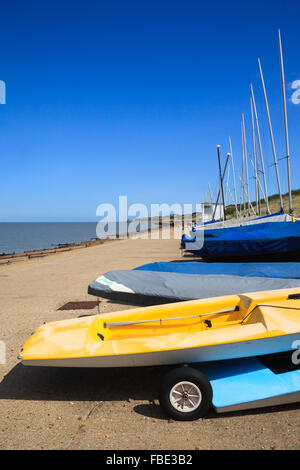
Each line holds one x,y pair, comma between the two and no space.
76,384
153,410
72,384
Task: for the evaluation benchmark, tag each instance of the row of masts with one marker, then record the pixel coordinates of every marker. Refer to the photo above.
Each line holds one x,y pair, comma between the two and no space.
245,206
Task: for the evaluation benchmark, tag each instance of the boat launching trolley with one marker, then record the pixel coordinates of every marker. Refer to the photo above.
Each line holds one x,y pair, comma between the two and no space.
188,392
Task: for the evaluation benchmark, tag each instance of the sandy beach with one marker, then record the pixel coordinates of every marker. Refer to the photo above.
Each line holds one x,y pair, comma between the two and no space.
103,409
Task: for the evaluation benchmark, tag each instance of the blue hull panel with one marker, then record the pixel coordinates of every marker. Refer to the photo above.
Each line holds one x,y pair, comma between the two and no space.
248,383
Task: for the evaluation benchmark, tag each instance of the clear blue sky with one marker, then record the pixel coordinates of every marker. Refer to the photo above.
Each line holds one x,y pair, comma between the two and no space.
132,97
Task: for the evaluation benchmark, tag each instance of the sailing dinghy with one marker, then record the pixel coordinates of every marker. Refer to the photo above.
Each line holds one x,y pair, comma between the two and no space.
267,237
214,329
265,240
168,282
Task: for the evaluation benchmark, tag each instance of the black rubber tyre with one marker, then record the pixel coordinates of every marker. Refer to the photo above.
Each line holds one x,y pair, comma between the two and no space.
177,378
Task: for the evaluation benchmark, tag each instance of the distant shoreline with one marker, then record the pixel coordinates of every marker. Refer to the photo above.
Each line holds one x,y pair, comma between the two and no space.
19,239
9,258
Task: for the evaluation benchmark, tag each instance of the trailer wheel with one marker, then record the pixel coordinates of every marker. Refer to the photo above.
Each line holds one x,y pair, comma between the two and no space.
185,394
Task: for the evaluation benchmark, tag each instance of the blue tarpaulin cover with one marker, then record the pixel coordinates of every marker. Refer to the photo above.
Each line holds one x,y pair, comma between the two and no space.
275,270
258,239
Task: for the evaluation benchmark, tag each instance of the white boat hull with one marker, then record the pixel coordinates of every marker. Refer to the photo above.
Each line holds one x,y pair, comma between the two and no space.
218,352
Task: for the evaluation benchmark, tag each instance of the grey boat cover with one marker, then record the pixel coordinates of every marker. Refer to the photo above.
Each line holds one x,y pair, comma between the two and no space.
252,220
160,283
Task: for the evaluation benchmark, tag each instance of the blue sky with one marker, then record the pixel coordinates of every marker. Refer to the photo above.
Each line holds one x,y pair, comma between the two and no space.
132,97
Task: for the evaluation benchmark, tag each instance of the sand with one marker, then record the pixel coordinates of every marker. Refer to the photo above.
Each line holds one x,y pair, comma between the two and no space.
44,408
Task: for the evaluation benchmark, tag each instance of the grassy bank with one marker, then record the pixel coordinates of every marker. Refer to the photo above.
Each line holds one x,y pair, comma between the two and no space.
274,204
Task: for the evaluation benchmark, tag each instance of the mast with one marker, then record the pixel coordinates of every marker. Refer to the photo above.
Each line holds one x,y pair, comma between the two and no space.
241,195
271,135
210,193
227,179
246,163
243,170
260,151
286,124
234,182
255,161
259,185
218,196
221,181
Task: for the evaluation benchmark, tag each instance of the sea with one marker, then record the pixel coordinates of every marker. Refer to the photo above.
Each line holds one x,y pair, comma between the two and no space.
19,237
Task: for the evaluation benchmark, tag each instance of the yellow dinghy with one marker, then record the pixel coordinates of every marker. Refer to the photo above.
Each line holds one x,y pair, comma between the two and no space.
212,329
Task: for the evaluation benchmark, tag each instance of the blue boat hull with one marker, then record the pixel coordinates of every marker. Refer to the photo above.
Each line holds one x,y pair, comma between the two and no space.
255,382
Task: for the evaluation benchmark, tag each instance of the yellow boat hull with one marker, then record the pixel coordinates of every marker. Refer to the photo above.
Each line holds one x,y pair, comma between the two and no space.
187,332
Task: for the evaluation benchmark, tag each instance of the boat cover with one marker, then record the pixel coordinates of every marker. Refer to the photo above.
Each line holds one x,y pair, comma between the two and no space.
277,217
270,238
159,283
276,270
